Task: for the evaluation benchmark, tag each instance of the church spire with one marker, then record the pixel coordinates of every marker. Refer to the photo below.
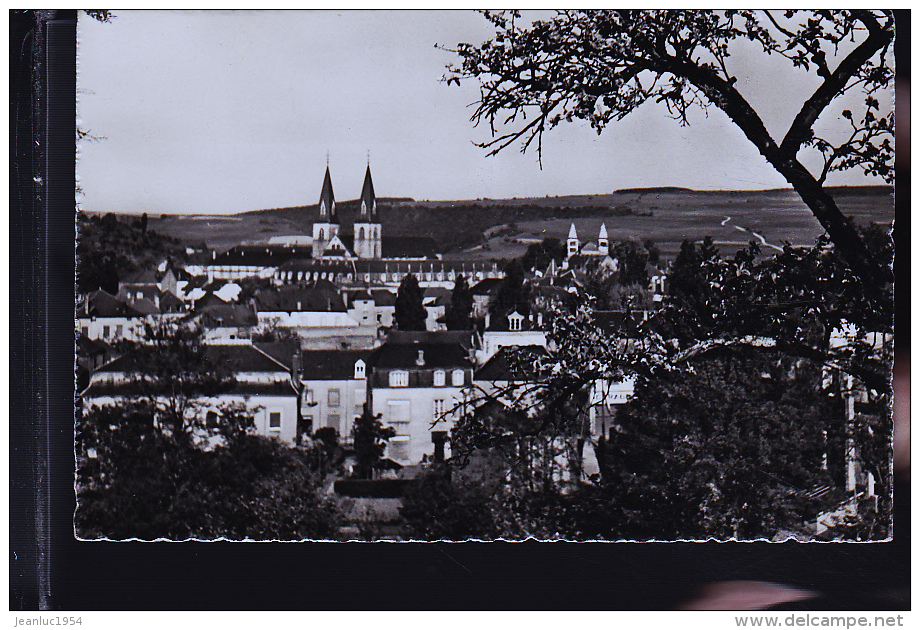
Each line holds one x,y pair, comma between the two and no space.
327,199
368,198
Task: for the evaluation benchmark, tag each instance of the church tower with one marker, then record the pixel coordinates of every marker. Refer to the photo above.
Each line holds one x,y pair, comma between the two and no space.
603,243
572,244
327,225
367,223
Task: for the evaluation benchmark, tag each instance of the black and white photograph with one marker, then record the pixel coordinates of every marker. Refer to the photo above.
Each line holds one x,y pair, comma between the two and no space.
394,276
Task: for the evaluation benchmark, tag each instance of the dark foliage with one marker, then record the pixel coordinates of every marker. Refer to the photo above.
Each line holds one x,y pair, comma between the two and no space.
136,481
601,65
538,255
409,312
512,295
461,306
370,441
728,450
632,260
438,507
109,250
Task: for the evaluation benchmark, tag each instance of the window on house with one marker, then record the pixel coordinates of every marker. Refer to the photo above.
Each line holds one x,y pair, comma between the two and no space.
212,419
398,415
399,378
332,420
274,421
333,398
438,411
456,378
119,329
398,449
105,332
85,331
439,378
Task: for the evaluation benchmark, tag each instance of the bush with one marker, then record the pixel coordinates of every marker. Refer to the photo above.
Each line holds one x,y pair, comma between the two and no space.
437,507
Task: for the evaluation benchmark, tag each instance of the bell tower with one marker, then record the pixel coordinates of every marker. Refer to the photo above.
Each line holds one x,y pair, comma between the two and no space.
367,223
327,225
572,244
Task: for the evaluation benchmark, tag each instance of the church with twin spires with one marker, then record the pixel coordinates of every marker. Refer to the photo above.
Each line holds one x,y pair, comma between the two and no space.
367,242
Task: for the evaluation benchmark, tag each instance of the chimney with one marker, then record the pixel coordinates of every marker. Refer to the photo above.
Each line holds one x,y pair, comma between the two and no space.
296,366
420,361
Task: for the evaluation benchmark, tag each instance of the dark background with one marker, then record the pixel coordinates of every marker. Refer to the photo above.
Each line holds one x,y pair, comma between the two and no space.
49,569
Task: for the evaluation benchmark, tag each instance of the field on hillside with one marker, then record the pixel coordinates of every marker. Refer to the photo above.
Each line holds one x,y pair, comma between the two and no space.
732,219
666,216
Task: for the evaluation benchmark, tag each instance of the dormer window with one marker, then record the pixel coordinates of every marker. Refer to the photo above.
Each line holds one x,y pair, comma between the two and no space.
360,367
515,321
456,378
439,378
399,378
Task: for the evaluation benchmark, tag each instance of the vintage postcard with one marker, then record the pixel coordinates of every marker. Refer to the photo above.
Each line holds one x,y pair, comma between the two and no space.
456,275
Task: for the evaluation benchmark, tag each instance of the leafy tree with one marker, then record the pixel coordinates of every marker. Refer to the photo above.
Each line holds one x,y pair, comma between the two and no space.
157,464
461,305
538,255
439,506
654,254
600,65
728,450
109,249
511,294
632,260
370,440
409,312
171,370
135,480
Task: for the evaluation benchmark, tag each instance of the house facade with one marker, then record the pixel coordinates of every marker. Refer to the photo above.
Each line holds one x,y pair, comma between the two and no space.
419,389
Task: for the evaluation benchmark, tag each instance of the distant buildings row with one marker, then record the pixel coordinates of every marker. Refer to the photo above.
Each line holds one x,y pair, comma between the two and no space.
308,331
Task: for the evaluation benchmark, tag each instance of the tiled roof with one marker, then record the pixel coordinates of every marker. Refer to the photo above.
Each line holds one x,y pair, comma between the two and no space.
102,304
144,276
142,307
310,264
240,388
382,297
485,287
359,295
209,299
257,256
236,358
330,365
316,365
404,355
227,315
462,337
290,299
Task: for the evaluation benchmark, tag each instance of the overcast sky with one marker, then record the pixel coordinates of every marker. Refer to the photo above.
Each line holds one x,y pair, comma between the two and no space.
221,113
